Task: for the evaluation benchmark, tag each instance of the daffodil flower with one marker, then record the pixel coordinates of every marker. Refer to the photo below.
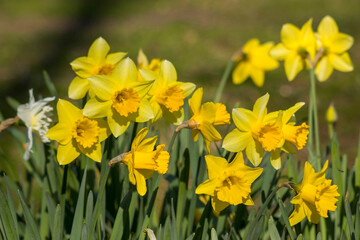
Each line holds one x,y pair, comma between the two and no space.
298,45
77,134
167,94
334,46
253,62
253,132
97,62
36,116
143,160
315,196
204,118
228,183
294,137
120,97
143,63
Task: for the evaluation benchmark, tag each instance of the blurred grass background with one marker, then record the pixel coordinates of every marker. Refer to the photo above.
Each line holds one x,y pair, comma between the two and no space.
198,37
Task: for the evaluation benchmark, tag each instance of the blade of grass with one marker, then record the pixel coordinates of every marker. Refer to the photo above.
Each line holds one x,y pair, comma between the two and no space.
285,217
10,230
274,234
30,222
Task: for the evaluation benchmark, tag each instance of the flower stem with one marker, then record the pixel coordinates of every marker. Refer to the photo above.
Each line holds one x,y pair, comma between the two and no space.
172,141
313,122
225,77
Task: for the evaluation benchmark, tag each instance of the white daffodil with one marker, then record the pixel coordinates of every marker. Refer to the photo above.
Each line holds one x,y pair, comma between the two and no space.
36,116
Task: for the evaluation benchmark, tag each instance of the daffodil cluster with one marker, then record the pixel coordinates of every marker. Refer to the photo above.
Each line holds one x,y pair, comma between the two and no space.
323,50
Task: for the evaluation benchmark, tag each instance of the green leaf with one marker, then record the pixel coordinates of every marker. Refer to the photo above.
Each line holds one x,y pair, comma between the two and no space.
49,84
285,217
7,219
57,234
213,234
357,221
13,102
274,234
76,229
30,222
349,217
10,202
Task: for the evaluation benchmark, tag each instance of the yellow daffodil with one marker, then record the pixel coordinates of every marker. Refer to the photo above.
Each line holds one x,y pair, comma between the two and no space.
97,62
143,160
143,63
253,62
228,183
333,45
331,114
204,118
77,134
167,94
315,196
120,97
298,45
253,132
294,137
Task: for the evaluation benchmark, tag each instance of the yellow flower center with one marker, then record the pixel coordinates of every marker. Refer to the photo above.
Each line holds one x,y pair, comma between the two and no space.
86,132
269,135
308,193
157,160
126,101
105,69
297,135
232,187
302,52
172,98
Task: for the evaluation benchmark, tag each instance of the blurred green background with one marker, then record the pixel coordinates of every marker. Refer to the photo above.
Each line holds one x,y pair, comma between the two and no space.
198,37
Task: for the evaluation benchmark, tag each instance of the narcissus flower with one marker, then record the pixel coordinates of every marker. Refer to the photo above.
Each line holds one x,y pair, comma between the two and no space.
120,97
298,45
97,62
204,118
143,160
253,132
294,137
315,196
167,94
36,116
333,45
77,134
253,62
228,183
143,62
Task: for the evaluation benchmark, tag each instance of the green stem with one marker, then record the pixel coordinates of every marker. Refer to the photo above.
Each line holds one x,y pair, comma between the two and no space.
314,129
172,142
225,77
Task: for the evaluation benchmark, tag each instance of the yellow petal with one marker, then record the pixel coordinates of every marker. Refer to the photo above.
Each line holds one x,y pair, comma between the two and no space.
67,112
175,118
243,118
98,50
118,124
167,72
97,109
241,72
104,132
145,112
218,205
195,134
290,35
93,153
258,76
84,67
261,58
67,153
125,72
209,132
236,141
250,45
327,26
254,152
157,111
102,86
147,75
222,117
142,60
279,51
215,165
207,187
259,108
138,138
293,65
208,112
297,215
323,69
275,158
142,88
311,213
147,145
237,162
115,58
195,101
341,43
287,114
61,133
187,87
140,183
307,35
78,88
341,62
